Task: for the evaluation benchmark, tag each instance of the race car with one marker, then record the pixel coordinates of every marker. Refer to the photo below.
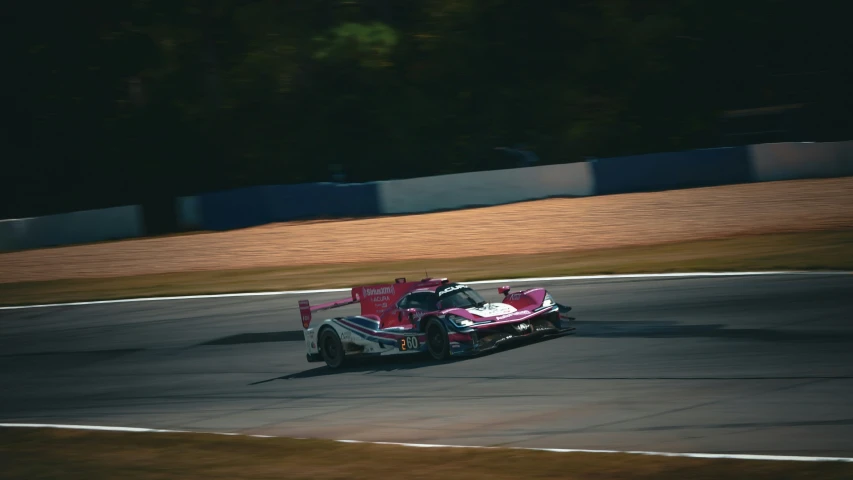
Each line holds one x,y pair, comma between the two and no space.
430,315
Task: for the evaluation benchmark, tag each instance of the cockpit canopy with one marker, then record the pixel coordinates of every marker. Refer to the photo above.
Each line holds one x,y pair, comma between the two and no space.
458,296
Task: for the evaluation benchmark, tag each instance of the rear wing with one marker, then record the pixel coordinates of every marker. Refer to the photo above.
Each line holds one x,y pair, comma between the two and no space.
306,310
373,298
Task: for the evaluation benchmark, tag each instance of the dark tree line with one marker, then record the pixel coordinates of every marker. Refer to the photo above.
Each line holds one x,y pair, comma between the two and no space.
117,102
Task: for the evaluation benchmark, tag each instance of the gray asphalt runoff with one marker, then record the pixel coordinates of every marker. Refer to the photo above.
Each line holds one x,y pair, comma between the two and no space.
760,365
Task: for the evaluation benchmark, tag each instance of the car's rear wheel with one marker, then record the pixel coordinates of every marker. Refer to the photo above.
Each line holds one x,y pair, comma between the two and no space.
332,349
438,343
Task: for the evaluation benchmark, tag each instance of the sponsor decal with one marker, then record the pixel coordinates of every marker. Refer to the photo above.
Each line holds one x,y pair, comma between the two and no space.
520,312
345,335
452,288
374,291
492,309
515,296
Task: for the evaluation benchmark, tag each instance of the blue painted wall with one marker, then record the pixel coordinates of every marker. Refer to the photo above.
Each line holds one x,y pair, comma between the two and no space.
664,171
322,200
249,207
230,209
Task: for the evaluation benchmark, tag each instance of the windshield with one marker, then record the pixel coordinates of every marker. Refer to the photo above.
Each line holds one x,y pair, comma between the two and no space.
465,298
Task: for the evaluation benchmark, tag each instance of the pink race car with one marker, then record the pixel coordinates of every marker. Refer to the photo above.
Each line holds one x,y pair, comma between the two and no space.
431,315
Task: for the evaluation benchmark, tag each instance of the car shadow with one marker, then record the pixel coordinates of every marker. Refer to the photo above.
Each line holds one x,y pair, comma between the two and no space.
263,337
660,329
393,363
612,329
368,365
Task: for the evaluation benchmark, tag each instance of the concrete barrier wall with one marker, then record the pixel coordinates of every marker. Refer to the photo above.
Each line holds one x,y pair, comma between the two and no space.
9,234
254,206
485,188
322,200
248,207
188,210
790,161
230,209
72,228
665,171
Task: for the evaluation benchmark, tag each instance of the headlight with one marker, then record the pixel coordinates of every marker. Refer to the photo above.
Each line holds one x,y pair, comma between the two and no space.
549,300
459,321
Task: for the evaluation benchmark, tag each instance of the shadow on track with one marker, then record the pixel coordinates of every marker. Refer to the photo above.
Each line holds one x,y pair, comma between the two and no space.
242,338
367,366
394,363
593,329
613,329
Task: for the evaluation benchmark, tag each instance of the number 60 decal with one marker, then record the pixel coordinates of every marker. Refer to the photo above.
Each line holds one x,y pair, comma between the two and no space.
409,343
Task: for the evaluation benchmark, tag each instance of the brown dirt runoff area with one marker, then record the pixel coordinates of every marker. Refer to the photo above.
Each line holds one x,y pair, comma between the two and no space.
536,227
75,454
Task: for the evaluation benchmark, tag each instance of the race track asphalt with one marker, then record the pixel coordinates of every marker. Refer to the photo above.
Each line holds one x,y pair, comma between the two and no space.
717,365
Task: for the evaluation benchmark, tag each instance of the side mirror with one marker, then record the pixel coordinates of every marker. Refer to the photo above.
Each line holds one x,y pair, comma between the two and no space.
411,312
504,290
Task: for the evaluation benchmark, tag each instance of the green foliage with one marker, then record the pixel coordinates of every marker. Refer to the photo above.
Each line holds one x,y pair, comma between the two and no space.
372,43
126,98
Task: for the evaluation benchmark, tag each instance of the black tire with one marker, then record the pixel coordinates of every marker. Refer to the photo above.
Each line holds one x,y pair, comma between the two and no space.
437,342
332,349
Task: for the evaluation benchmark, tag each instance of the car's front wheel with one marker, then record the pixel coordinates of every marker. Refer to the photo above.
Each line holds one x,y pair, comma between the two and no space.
438,343
332,349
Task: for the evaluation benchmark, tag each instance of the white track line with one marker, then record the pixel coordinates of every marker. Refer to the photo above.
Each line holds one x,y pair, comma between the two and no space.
479,282
789,458
186,297
89,427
